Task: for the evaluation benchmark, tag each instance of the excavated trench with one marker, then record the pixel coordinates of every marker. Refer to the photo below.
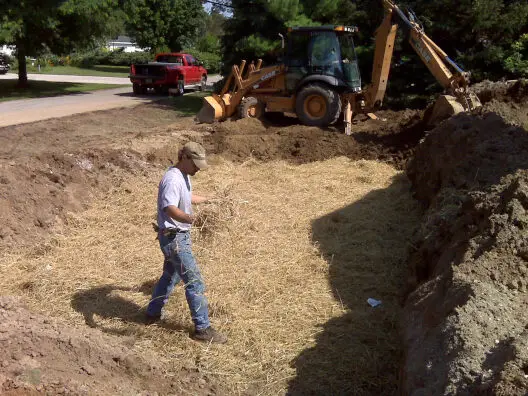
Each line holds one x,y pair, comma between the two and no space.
464,309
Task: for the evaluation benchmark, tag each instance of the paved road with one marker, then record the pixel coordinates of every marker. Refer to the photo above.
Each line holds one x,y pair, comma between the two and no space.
72,79
31,110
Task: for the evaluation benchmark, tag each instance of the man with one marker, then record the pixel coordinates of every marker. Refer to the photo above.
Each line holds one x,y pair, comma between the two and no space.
175,217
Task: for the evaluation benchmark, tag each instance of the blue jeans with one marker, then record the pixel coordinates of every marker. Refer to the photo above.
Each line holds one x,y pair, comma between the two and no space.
180,265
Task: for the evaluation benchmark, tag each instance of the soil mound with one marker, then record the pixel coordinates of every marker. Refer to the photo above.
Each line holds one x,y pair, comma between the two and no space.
44,356
504,91
465,320
391,138
38,192
509,99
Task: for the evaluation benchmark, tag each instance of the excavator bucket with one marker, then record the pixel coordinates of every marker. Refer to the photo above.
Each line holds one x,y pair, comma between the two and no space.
213,108
447,105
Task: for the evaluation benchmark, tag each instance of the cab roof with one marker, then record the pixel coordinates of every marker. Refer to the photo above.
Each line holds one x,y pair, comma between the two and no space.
324,28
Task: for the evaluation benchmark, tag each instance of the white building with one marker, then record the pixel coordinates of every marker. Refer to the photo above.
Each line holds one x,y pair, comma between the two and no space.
125,43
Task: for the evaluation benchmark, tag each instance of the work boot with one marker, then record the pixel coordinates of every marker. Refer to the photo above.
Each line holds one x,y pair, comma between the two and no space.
210,335
151,319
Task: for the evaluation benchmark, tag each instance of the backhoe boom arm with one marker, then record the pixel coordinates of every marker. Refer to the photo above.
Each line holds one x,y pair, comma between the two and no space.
431,55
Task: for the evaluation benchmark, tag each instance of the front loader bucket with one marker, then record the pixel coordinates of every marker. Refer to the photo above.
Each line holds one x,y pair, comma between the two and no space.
212,109
448,105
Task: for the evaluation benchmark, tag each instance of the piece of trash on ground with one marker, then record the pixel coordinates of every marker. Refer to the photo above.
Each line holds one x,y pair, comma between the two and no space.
373,302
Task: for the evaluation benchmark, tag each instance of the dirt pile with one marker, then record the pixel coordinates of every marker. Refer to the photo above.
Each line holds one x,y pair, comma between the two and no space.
509,99
38,192
465,320
391,138
44,356
56,166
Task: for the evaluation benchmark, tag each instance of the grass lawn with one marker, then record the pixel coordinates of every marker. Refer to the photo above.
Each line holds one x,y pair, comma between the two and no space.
40,89
190,103
97,70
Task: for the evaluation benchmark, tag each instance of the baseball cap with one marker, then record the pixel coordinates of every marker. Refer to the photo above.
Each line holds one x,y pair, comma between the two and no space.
196,152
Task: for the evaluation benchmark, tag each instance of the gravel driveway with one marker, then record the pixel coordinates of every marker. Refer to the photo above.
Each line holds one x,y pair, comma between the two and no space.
72,79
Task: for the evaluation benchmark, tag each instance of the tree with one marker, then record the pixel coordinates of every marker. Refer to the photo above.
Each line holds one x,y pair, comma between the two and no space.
164,24
213,30
35,26
477,33
253,30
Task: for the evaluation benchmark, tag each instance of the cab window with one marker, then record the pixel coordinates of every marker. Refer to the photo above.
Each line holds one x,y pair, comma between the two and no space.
170,59
190,60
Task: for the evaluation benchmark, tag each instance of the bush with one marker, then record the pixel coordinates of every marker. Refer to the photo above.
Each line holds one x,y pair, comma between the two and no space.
212,62
112,58
517,61
51,60
121,58
88,59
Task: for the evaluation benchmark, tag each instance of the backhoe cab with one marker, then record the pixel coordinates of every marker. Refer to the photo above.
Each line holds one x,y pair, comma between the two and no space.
324,54
319,78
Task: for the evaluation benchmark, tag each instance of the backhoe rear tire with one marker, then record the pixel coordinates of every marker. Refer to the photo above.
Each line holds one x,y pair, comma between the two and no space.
250,107
318,105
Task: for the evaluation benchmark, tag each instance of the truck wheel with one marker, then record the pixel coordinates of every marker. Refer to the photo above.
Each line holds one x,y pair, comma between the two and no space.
180,88
250,107
318,105
203,83
137,89
161,90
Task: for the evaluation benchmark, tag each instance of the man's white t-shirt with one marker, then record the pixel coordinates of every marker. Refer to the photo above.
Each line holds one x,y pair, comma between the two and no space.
174,189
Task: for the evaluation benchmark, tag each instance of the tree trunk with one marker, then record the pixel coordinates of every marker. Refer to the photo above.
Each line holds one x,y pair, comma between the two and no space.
22,69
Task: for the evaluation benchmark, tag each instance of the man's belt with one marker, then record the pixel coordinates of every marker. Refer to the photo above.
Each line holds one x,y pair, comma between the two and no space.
167,231
171,231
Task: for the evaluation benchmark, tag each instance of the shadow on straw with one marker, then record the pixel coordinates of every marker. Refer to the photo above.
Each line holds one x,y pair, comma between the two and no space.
365,245
104,302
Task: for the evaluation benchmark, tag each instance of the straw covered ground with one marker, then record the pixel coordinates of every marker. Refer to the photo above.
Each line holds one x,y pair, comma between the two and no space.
290,254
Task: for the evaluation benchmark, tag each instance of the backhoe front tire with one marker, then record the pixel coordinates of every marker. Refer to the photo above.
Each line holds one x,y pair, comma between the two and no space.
250,107
318,105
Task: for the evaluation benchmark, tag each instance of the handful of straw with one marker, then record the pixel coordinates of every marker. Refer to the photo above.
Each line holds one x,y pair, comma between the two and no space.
217,214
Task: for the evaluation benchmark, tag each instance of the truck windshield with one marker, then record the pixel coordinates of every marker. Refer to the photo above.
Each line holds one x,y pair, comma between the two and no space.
170,59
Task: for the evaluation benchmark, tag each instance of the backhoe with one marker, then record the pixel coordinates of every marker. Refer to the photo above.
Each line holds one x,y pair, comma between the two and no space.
318,78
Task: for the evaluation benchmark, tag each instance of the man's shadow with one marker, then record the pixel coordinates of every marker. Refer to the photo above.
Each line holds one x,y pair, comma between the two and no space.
105,303
358,352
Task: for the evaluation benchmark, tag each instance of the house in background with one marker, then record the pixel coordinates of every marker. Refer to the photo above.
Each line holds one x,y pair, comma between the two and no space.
125,43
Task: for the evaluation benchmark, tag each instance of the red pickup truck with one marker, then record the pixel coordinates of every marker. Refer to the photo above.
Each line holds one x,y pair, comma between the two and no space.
169,73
